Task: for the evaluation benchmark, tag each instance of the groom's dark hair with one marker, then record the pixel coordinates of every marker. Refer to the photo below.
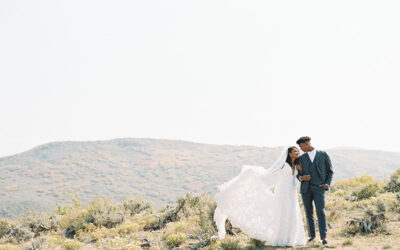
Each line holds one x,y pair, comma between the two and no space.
303,139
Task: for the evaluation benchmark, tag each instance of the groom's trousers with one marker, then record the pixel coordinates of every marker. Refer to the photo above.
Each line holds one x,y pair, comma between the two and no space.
316,194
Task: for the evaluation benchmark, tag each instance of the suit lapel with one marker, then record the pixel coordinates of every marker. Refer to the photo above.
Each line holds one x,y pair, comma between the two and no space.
317,154
307,158
316,157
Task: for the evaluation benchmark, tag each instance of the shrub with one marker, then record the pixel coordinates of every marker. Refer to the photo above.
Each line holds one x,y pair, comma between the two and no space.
230,244
4,227
38,223
38,243
381,206
347,242
8,247
366,192
102,213
256,243
73,221
175,240
20,232
116,243
71,245
128,228
354,182
145,221
138,205
103,232
394,183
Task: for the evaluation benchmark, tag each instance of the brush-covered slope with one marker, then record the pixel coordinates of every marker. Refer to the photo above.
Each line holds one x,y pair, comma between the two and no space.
160,170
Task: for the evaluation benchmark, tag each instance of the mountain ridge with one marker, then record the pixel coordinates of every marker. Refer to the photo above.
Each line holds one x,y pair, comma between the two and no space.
159,169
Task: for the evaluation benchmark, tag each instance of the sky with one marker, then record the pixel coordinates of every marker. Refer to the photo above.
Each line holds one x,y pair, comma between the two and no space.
254,72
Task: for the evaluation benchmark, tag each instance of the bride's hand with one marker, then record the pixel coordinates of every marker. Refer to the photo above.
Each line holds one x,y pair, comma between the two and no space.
299,168
305,178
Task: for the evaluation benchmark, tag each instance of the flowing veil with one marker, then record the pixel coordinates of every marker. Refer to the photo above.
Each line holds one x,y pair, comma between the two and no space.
248,201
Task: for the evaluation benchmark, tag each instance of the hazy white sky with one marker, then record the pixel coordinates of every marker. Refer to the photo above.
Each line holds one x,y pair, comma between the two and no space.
225,72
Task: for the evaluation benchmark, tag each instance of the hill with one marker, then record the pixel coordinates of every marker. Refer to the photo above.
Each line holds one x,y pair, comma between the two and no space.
160,170
362,213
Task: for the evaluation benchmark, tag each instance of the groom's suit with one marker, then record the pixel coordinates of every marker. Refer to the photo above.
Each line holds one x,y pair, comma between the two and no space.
321,172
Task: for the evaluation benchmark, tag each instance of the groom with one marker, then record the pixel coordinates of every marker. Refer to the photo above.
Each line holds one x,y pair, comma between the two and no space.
315,175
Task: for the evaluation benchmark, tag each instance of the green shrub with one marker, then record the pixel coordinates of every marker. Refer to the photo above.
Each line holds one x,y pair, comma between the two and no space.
366,192
394,183
230,244
175,240
256,243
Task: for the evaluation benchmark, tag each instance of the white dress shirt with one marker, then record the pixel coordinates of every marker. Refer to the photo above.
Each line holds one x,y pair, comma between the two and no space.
312,154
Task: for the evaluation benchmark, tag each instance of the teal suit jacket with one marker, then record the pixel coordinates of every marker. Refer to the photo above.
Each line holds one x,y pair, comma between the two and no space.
323,166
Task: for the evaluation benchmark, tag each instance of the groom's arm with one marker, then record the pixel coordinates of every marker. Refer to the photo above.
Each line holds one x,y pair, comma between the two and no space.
299,174
329,171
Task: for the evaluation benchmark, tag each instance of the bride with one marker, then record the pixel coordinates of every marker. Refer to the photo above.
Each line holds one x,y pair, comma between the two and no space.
263,203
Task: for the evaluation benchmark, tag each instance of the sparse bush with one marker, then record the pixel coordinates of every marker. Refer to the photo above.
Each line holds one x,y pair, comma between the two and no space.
73,221
4,227
394,183
8,247
21,233
102,213
175,227
381,206
348,242
38,243
137,205
366,192
128,228
175,240
229,244
71,245
353,182
116,243
145,221
256,243
54,241
38,223
102,233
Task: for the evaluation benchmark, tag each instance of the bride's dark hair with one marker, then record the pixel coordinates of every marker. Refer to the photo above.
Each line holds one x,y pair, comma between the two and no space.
288,158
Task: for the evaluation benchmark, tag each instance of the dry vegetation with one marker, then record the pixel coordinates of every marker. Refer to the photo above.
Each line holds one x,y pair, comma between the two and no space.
363,213
160,170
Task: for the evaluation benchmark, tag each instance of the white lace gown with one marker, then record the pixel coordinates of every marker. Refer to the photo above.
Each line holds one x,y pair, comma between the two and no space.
270,216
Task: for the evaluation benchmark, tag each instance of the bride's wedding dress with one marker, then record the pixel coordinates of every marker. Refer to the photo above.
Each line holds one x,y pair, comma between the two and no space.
263,203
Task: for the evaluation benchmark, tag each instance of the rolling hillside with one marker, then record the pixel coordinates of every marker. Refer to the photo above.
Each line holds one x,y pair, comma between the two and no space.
160,170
